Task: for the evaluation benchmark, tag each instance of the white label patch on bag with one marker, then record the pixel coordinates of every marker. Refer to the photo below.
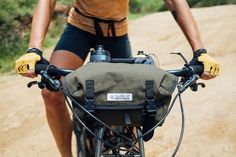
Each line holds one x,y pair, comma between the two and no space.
119,97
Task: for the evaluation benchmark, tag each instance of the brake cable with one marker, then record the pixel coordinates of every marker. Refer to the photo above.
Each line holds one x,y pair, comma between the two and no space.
182,127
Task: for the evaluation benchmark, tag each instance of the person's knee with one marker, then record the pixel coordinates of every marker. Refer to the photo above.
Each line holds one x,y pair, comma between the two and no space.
53,100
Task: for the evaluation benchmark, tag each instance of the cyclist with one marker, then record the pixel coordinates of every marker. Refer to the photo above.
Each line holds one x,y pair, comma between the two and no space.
91,23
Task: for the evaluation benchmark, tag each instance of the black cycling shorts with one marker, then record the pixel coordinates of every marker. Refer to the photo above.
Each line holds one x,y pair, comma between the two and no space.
79,42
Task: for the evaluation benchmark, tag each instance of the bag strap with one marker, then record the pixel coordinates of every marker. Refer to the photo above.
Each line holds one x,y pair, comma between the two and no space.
96,21
89,95
149,120
150,96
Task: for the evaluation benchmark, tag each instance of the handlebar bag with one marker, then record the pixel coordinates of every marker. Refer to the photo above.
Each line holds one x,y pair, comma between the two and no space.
120,93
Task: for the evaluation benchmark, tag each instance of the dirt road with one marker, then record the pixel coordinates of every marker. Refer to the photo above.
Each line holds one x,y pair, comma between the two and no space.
210,113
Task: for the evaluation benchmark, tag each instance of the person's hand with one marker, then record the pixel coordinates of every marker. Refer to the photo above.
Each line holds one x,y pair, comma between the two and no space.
211,66
25,65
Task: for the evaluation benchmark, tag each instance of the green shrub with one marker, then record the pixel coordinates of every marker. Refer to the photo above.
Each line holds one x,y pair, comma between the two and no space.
15,17
135,6
15,23
146,6
207,3
152,6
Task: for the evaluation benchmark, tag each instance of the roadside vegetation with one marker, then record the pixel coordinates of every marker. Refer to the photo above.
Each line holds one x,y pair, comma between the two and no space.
16,17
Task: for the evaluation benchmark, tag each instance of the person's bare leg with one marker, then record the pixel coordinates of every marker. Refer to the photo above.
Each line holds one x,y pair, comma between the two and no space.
56,110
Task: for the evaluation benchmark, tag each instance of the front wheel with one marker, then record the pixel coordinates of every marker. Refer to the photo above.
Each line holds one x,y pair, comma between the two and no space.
85,142
114,145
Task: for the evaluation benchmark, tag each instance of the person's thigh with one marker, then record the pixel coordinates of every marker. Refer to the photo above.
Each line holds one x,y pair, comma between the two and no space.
65,59
118,47
72,48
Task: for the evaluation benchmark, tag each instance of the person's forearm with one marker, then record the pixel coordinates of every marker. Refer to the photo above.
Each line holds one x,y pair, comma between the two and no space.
185,19
41,20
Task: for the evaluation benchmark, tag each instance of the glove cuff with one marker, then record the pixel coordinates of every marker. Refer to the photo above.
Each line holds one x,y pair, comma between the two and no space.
35,50
198,52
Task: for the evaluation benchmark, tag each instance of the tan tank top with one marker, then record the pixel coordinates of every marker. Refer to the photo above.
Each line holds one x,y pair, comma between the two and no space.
84,11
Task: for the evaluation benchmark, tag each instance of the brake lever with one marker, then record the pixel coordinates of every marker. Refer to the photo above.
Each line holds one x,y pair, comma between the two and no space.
30,84
194,87
41,85
181,55
188,83
53,85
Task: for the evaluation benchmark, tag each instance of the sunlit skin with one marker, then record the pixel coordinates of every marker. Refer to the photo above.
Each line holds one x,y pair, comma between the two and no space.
56,111
189,27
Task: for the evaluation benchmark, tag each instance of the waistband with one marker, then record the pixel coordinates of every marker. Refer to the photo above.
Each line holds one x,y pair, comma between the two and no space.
96,21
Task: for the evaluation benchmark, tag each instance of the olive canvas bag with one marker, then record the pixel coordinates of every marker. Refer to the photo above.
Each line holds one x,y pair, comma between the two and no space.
122,93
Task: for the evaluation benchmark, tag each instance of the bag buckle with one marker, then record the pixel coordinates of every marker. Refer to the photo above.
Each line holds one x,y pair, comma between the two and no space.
89,105
150,96
89,98
150,105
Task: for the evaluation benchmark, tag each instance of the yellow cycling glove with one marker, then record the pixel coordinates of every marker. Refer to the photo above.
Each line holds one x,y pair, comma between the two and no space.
201,57
28,61
210,64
